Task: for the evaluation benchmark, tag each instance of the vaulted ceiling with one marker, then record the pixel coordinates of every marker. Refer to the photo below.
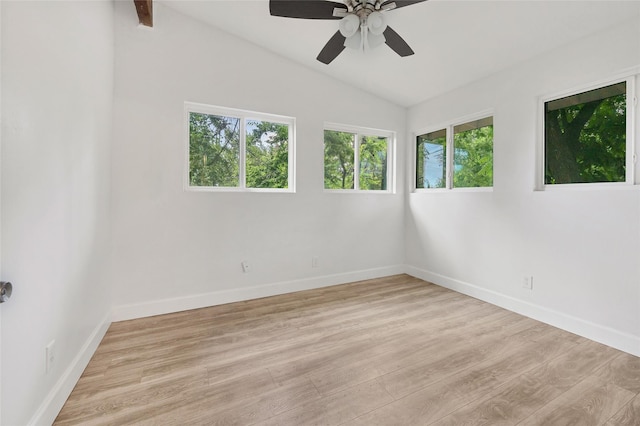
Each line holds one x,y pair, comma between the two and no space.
455,42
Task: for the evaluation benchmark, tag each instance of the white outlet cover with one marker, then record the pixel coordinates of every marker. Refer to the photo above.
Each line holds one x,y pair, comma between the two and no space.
50,355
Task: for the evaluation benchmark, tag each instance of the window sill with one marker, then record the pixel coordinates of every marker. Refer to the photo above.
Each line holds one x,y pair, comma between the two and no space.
218,189
356,191
453,190
604,186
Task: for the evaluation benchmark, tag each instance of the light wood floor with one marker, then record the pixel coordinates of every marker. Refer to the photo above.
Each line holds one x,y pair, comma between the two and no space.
390,351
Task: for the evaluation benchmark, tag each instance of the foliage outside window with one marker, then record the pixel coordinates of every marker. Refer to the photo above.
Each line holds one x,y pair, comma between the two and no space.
356,160
238,149
464,160
431,167
585,137
473,154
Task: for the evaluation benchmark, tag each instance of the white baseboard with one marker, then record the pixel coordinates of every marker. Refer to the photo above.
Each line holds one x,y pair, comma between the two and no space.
608,336
52,404
620,340
177,304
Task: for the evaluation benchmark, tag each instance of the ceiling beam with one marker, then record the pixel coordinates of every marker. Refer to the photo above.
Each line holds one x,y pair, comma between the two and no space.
145,11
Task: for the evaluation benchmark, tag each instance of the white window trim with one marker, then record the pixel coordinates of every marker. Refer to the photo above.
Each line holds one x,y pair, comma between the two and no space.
365,131
631,178
243,115
448,126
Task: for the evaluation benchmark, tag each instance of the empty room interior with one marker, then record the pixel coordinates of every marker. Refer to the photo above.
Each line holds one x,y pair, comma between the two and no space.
314,212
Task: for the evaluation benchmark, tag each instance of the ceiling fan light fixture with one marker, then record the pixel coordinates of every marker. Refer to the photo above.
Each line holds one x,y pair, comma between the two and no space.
349,25
375,40
375,23
354,42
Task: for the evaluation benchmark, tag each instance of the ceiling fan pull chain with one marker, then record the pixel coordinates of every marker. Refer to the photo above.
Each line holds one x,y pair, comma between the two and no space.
365,36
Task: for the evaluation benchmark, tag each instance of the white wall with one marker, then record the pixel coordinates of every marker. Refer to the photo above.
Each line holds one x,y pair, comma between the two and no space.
177,250
57,100
582,247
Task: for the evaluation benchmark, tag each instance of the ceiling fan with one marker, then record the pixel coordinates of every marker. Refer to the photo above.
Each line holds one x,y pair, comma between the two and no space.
362,24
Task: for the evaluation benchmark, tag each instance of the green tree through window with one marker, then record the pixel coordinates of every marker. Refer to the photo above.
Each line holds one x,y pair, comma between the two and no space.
214,150
242,150
471,148
338,159
354,160
267,155
585,137
473,154
373,162
431,160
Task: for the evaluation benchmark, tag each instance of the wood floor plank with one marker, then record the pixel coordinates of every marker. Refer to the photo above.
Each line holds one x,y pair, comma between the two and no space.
390,351
628,415
529,392
130,403
623,371
590,402
335,409
447,358
470,382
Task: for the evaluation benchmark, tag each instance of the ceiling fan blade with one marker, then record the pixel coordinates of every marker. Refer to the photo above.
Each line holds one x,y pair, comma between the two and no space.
397,43
401,3
305,9
332,49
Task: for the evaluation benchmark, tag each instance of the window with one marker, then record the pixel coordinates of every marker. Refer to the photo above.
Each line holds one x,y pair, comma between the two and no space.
431,170
587,137
473,154
238,150
357,159
464,160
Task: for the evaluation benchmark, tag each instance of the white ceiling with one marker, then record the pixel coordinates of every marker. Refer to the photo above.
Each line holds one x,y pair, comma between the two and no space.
456,42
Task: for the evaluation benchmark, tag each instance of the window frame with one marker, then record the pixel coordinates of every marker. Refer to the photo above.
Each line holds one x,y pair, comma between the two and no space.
243,116
630,154
359,132
448,127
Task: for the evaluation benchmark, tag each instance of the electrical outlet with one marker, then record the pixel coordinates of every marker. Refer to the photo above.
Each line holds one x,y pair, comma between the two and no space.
527,282
245,266
314,262
50,355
